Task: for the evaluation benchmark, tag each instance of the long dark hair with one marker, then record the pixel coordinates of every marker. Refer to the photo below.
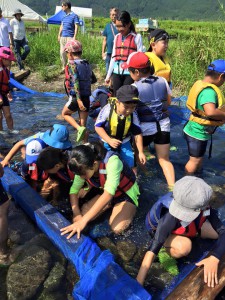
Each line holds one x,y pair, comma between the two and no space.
84,156
124,18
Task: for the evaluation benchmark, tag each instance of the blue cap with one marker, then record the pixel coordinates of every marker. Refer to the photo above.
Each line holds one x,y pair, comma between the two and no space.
217,66
57,137
33,149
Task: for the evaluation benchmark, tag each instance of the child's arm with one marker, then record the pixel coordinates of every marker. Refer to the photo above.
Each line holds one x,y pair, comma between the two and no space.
114,143
145,266
139,143
12,152
213,112
74,202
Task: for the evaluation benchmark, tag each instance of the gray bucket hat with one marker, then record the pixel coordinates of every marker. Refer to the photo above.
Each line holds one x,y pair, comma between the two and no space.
18,12
191,195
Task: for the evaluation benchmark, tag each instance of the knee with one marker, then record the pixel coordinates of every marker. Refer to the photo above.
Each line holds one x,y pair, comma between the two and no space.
8,115
120,227
183,248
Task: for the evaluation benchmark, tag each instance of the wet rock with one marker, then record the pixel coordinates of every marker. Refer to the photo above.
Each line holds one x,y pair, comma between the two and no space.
55,278
126,250
71,278
131,269
26,276
218,196
106,243
56,295
3,291
138,257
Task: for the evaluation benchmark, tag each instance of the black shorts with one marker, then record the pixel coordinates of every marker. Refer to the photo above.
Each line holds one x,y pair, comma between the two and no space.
3,195
5,101
160,137
196,148
72,104
122,198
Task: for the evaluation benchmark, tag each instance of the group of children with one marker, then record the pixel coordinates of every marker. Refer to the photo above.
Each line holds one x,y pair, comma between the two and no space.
128,123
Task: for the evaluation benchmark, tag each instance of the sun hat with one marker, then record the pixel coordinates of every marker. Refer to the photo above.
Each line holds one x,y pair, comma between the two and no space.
136,60
73,46
57,137
190,196
217,66
157,35
127,93
33,149
18,12
7,54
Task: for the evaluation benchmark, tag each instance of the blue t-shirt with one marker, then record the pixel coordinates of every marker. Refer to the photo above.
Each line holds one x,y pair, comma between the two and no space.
68,24
109,32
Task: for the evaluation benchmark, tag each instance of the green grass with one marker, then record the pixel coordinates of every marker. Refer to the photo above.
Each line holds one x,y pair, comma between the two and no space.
197,44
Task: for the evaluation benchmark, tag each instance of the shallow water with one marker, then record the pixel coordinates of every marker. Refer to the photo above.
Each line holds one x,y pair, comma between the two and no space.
33,114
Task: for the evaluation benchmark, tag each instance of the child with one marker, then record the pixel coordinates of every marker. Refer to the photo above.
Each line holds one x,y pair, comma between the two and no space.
78,87
6,57
91,163
186,215
206,103
117,121
125,42
155,96
98,99
4,206
158,45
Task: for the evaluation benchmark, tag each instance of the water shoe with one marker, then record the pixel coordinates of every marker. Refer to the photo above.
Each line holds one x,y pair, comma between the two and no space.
81,133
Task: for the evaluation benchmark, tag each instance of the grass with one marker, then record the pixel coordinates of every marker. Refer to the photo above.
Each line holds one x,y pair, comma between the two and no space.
197,44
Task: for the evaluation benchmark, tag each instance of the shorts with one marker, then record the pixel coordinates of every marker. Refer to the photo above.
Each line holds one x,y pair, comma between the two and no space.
3,195
72,104
122,198
196,148
125,151
5,101
160,138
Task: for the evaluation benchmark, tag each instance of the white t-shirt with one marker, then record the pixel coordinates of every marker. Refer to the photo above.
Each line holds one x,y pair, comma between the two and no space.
18,29
4,32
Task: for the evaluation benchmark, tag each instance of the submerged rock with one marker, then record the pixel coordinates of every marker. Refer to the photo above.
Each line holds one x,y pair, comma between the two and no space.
106,243
71,278
26,276
55,278
126,250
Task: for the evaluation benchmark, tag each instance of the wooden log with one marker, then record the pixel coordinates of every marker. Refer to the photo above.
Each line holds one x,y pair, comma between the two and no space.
19,76
194,288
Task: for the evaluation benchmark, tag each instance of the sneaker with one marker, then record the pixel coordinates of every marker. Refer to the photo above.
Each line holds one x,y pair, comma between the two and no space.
13,131
81,133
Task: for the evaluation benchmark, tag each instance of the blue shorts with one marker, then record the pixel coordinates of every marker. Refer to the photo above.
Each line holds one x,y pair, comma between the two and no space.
196,148
125,151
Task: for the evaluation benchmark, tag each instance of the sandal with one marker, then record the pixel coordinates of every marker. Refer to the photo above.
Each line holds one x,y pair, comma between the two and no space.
80,133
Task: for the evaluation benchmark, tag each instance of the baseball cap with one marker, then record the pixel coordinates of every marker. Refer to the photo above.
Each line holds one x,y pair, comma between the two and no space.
73,46
33,149
127,93
57,137
217,66
7,54
136,60
157,35
191,195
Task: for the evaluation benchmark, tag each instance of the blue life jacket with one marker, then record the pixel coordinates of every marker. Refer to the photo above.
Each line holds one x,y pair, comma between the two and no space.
95,105
84,76
153,95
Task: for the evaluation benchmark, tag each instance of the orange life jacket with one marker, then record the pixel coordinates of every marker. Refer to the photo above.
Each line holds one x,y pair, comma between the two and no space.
36,174
124,48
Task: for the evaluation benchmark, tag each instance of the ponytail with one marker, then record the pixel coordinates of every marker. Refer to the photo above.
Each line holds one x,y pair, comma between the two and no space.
124,18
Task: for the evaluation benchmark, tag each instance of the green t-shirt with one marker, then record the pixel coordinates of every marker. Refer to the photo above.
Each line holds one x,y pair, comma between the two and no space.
198,131
113,171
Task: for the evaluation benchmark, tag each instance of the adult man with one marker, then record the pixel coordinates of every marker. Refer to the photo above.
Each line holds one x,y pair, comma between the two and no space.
109,33
6,37
68,29
19,37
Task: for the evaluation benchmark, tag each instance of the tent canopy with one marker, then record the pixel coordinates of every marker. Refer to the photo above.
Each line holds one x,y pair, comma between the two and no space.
9,6
59,14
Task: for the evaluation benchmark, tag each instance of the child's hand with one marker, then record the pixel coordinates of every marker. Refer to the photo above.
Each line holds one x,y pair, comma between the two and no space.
107,80
210,270
81,105
114,143
9,96
4,163
142,158
76,227
77,218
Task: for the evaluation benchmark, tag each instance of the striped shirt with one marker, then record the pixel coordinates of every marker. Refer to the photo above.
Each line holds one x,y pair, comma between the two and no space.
68,24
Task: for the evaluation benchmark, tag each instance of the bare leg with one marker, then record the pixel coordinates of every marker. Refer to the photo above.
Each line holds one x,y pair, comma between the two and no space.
83,122
207,232
194,164
162,152
122,216
87,206
67,115
178,246
8,116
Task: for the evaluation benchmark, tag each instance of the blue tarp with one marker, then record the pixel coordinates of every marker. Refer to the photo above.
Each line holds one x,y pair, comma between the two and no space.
57,18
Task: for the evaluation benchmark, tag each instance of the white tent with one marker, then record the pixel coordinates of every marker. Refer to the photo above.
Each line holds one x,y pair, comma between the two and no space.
9,6
82,12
